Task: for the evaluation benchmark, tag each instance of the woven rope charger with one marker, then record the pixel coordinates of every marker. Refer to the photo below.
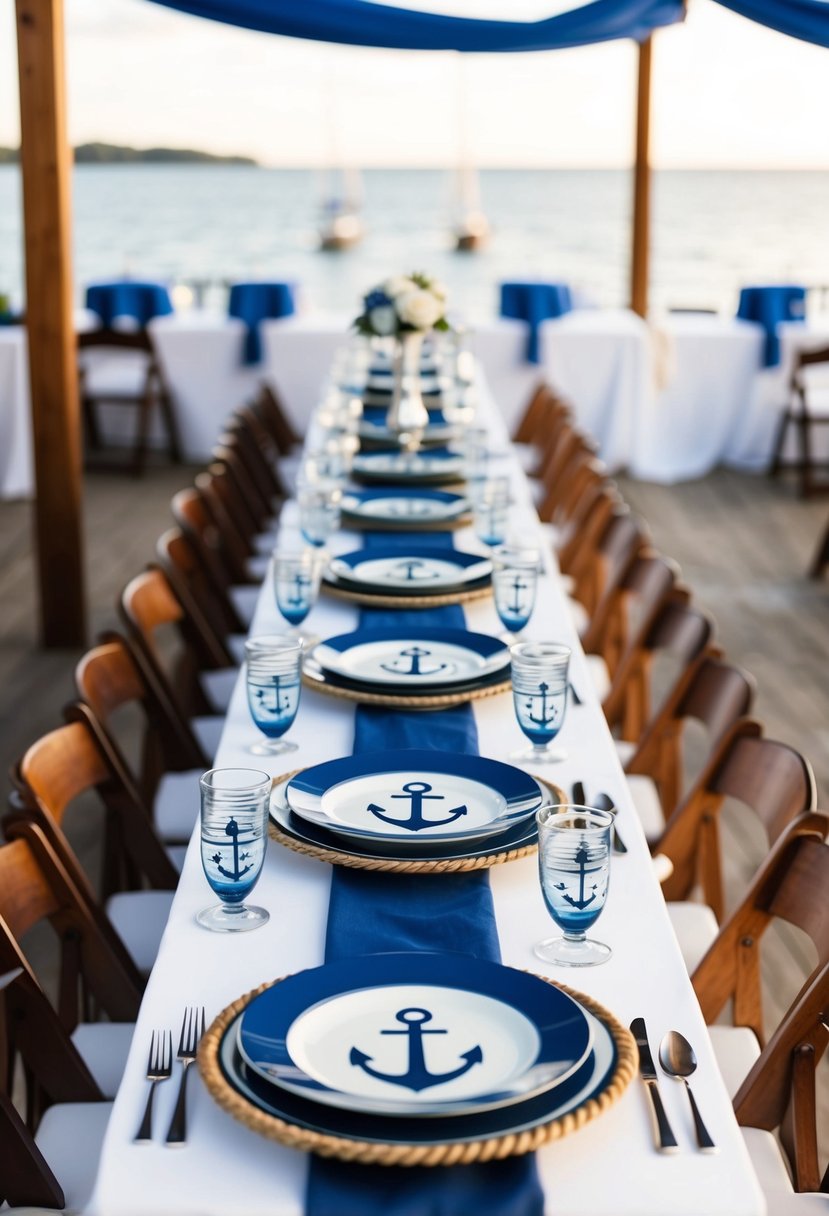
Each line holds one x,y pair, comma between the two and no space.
512,1144
398,701
395,865
407,601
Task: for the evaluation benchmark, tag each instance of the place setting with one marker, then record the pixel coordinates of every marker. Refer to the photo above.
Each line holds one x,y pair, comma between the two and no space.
421,668
437,466
405,509
403,576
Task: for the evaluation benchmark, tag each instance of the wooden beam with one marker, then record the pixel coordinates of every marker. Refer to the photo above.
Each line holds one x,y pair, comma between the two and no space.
640,244
46,162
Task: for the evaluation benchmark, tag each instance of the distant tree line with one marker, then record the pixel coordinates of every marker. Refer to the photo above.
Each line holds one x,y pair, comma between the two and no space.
116,154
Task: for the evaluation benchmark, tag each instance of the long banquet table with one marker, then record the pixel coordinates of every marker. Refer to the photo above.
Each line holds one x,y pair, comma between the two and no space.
610,1167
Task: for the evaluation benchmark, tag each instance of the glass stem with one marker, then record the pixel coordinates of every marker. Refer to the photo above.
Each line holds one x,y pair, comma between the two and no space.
575,938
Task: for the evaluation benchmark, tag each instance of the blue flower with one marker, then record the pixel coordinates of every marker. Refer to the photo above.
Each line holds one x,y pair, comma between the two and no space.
376,299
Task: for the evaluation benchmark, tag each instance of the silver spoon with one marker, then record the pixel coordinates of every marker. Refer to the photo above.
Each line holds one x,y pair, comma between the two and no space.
676,1055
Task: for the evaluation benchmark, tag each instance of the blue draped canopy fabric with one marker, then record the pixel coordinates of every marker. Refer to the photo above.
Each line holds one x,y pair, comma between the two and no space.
804,19
362,23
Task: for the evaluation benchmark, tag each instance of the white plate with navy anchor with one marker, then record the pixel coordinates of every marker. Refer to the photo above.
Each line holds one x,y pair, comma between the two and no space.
411,797
412,658
414,571
438,463
405,506
414,1035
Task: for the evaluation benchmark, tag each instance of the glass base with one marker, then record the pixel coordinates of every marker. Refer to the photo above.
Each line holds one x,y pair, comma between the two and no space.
232,918
539,755
572,952
272,747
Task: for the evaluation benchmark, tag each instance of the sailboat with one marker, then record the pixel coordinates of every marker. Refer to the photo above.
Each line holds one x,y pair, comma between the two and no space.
341,225
471,229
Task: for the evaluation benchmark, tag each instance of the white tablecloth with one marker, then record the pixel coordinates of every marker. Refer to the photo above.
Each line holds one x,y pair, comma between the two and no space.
608,1169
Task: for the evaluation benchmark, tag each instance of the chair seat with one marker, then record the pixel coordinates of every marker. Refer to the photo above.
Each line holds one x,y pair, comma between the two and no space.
817,404
695,926
176,806
645,797
580,616
208,731
600,676
737,1051
527,454
259,565
774,1178
70,1137
115,375
218,687
625,750
140,918
103,1047
244,599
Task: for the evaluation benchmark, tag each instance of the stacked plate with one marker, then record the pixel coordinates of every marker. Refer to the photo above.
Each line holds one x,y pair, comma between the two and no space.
373,427
418,662
410,804
404,509
416,1048
408,573
435,467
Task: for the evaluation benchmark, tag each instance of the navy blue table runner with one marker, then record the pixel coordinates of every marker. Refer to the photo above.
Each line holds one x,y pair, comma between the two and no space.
370,913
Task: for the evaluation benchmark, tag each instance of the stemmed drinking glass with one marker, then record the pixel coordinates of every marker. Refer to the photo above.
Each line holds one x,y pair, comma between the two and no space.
574,868
296,585
273,683
514,584
234,835
490,506
319,512
539,693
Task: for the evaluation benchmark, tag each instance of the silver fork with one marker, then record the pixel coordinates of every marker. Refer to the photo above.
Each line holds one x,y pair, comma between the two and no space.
192,1029
159,1068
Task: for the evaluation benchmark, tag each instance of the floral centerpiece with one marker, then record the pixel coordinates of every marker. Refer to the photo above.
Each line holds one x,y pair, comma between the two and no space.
414,303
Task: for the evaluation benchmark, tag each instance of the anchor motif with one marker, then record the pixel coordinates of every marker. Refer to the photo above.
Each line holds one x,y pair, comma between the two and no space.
417,1076
582,857
548,714
301,582
269,700
415,653
412,569
517,605
232,830
418,792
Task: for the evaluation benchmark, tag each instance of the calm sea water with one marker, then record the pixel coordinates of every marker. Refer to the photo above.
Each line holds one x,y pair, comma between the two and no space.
712,231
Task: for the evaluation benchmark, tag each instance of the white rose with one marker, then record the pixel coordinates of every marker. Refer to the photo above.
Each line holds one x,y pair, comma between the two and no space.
438,289
399,285
419,308
383,320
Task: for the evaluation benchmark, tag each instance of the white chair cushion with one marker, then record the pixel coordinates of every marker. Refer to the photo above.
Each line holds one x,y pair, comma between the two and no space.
580,616
645,797
695,926
663,867
236,645
597,670
103,1047
70,1137
140,918
258,566
244,598
625,750
528,458
176,806
176,853
769,1165
218,686
119,373
550,534
208,731
737,1051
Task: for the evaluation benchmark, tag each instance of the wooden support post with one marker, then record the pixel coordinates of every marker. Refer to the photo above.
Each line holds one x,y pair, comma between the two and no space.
46,162
641,186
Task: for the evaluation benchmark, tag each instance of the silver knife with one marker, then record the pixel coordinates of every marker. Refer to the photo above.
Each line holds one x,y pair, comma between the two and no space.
663,1134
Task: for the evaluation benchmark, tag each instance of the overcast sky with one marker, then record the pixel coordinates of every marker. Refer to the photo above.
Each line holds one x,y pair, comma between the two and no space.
726,93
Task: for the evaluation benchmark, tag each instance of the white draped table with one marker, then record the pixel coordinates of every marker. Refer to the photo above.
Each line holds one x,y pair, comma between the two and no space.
608,1169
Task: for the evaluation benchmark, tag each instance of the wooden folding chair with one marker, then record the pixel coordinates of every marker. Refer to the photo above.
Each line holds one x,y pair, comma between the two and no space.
149,607
770,778
196,523
273,416
807,410
608,547
196,584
